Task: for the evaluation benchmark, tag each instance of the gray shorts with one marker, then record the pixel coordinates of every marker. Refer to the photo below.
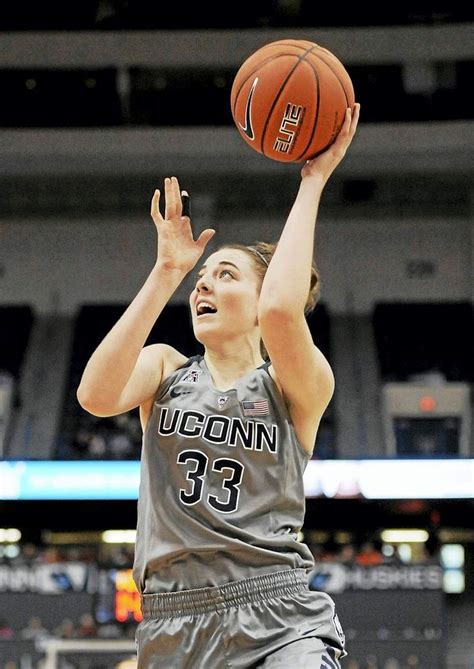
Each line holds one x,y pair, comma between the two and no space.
267,621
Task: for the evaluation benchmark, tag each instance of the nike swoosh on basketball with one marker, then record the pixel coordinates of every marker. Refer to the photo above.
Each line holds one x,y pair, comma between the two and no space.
248,130
176,393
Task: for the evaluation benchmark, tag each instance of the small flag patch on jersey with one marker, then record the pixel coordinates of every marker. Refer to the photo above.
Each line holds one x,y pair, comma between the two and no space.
256,408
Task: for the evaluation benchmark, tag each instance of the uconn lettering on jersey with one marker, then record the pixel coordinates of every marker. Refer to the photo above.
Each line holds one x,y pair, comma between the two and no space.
217,429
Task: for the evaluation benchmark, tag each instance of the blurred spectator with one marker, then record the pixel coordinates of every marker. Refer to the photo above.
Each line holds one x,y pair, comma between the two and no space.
97,447
112,438
330,550
81,443
121,557
6,632
109,631
51,555
347,554
87,627
28,555
316,551
369,555
35,630
65,630
120,446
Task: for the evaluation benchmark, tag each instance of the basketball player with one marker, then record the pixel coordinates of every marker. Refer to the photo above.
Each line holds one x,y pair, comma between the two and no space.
227,436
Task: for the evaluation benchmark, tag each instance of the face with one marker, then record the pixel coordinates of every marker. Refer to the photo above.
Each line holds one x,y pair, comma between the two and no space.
224,301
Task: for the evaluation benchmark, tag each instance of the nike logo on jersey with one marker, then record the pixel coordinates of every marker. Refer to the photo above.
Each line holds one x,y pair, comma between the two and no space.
248,130
177,393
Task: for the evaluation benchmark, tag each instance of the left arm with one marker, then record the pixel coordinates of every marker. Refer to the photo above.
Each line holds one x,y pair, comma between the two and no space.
302,372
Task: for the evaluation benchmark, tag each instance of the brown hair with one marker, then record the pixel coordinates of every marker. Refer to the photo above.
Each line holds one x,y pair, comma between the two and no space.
261,253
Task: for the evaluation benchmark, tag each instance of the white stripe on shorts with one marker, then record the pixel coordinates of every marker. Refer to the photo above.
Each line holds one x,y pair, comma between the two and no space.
329,660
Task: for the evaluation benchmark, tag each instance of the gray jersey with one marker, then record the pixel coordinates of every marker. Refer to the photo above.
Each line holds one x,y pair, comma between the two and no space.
221,490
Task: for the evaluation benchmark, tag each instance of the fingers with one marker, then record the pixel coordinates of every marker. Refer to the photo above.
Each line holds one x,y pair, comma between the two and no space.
354,118
351,120
170,199
348,129
174,204
173,198
177,202
155,207
345,130
205,237
176,196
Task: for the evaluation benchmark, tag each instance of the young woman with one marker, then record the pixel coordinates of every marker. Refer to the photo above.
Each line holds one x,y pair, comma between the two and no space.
227,437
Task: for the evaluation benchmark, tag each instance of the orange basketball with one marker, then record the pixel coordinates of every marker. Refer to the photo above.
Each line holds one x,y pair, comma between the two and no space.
289,99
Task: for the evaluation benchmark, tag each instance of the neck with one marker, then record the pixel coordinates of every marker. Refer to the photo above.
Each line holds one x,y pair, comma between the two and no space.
227,366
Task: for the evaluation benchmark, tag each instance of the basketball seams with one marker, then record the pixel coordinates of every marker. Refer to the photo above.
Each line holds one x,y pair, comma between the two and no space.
297,44
315,71
257,68
335,74
316,116
275,100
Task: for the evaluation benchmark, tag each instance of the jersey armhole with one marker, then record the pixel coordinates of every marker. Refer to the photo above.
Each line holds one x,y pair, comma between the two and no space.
266,367
168,381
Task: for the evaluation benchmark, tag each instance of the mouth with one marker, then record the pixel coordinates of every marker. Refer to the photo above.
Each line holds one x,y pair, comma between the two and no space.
204,308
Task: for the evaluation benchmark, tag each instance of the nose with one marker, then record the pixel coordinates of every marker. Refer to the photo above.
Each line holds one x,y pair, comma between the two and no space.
202,285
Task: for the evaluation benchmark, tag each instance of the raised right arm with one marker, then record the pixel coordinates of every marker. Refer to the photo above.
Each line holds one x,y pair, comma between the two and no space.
122,373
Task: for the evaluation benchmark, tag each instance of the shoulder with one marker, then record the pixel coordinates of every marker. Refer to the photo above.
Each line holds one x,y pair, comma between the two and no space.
172,359
167,360
159,361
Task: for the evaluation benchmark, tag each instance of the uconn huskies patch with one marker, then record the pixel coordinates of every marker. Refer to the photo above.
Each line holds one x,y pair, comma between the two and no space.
222,401
192,376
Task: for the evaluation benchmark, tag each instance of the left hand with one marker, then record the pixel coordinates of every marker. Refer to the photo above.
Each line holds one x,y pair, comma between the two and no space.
323,165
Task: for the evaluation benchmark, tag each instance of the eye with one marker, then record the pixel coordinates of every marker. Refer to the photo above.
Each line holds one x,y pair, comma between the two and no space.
224,272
